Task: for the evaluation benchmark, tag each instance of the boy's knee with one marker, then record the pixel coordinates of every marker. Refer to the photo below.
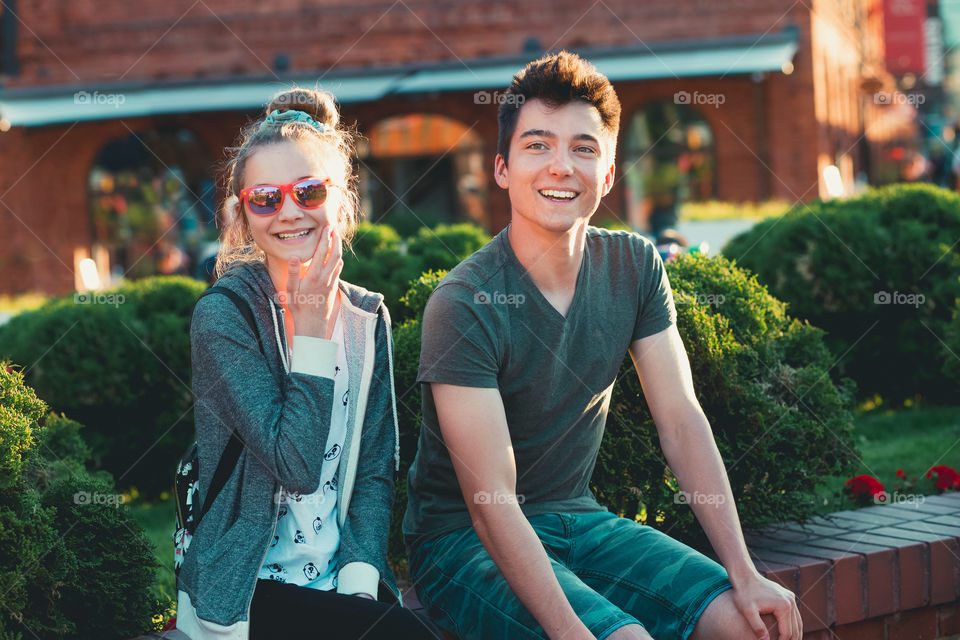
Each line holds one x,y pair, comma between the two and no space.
721,620
630,632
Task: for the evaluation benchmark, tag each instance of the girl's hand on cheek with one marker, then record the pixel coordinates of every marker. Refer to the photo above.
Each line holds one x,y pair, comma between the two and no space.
312,296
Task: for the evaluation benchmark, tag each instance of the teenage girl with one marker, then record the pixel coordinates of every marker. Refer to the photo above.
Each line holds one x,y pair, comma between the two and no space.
294,545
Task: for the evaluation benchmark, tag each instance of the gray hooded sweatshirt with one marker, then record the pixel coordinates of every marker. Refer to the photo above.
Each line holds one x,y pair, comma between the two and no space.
284,419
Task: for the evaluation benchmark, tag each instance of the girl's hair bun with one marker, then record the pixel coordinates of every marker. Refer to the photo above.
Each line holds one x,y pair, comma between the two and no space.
318,104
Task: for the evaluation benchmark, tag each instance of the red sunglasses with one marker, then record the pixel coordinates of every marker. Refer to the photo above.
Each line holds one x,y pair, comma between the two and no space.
266,199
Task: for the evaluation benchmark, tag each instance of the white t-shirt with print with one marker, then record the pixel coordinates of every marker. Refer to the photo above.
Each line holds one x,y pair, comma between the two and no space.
307,536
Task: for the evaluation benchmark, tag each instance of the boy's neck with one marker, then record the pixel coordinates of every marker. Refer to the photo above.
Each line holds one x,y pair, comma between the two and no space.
551,259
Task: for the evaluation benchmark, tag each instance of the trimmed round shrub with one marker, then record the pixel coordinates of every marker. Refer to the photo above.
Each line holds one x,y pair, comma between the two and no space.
20,409
445,246
761,377
878,273
383,262
379,263
406,362
73,563
951,364
781,424
119,362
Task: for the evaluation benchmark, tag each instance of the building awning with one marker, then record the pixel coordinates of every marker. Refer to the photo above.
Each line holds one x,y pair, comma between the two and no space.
682,60
30,107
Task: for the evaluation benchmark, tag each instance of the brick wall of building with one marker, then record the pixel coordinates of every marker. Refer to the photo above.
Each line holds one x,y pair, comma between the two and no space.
72,41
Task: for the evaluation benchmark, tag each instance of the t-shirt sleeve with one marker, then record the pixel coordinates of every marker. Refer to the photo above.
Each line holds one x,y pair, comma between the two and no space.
459,340
656,311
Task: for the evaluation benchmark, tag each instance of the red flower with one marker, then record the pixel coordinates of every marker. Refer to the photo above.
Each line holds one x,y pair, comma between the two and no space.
864,485
947,477
901,474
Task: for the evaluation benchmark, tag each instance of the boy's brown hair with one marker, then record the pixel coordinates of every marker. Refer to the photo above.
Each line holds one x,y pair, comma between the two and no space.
558,79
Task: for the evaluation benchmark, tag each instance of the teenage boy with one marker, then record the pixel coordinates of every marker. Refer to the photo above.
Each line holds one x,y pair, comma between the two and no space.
522,343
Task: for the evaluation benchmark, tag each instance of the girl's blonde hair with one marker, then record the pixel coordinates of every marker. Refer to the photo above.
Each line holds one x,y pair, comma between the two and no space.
236,242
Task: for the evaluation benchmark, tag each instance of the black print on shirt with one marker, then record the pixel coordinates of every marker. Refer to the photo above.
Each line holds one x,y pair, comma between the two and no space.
317,524
346,394
276,539
336,369
298,537
282,512
330,484
310,570
274,569
333,453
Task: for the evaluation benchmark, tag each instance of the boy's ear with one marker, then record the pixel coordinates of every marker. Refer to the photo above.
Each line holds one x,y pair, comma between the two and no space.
500,172
608,181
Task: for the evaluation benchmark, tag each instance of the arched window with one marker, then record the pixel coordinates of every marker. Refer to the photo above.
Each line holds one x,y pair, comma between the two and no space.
152,202
668,160
421,169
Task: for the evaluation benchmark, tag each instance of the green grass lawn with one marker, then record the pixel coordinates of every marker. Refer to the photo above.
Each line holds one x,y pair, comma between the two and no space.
913,439
158,520
714,210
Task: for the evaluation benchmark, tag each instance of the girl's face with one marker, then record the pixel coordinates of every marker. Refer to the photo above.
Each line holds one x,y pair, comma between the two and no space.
291,232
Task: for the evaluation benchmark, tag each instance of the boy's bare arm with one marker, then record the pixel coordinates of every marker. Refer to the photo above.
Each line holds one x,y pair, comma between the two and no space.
690,450
474,428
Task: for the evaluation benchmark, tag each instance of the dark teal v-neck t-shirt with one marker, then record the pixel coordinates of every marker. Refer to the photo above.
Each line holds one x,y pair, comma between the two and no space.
487,325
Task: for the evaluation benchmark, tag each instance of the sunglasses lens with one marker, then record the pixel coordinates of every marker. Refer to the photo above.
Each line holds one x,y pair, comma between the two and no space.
264,200
310,194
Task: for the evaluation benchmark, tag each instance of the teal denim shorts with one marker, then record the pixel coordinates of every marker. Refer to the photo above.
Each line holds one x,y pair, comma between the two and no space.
613,571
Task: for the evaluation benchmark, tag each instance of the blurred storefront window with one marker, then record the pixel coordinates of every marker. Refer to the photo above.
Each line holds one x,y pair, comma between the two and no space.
669,159
152,199
419,169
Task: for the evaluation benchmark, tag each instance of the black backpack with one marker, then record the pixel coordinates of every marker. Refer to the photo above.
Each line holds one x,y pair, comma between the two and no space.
190,507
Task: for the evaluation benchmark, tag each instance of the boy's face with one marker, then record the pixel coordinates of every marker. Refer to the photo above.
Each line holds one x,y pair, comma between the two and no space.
561,164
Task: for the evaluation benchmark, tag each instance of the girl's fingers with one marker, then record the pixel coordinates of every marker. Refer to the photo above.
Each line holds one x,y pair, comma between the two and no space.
327,262
293,278
335,273
330,244
336,248
323,247
335,262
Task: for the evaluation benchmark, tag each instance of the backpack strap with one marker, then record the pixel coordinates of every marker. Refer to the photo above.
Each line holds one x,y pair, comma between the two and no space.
231,453
242,305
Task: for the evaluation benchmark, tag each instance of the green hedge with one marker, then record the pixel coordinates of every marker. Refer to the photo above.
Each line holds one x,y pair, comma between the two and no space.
951,364
406,361
118,362
839,263
73,563
383,262
781,424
